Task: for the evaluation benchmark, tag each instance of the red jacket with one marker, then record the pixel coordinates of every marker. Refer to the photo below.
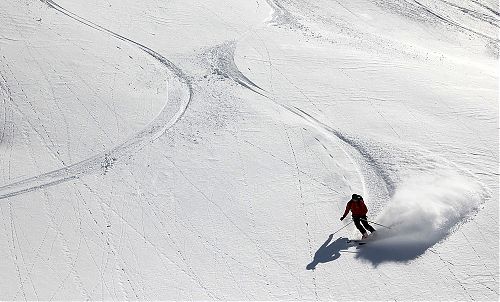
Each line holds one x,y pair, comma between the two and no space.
358,208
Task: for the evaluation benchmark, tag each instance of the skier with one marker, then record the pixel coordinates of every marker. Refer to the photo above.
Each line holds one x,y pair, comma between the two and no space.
358,208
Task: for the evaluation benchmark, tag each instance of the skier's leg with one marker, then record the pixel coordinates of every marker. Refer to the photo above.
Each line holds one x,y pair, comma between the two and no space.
367,225
357,223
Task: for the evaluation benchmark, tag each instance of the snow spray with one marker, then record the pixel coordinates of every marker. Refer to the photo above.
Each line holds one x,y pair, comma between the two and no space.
422,212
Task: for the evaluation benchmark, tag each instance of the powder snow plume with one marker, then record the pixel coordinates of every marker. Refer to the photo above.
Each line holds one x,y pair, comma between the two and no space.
422,212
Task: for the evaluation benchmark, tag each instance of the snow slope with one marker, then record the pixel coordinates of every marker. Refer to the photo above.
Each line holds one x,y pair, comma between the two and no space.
206,149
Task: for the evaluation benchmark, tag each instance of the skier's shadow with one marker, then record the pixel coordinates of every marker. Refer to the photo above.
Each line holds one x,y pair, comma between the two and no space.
329,251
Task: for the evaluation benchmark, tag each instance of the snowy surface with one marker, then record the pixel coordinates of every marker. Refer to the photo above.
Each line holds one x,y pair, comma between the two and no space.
206,149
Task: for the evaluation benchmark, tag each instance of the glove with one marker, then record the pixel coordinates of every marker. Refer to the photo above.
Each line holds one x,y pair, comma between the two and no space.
342,218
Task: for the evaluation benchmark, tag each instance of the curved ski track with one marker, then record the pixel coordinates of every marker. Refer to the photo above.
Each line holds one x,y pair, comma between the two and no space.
221,60
222,57
281,15
153,130
458,25
358,150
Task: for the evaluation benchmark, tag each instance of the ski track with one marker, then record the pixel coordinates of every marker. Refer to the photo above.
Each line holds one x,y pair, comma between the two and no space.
224,65
353,147
41,133
381,180
305,214
105,159
282,16
496,13
453,23
159,250
222,62
231,221
493,20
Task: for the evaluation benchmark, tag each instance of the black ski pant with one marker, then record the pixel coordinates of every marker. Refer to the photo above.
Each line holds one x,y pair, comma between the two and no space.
358,220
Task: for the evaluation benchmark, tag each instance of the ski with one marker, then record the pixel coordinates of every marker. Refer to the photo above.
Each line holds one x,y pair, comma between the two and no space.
359,242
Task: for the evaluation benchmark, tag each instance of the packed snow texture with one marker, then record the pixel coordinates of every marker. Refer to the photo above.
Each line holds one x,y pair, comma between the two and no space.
205,150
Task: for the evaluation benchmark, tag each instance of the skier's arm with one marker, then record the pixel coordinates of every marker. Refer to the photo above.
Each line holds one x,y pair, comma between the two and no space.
347,209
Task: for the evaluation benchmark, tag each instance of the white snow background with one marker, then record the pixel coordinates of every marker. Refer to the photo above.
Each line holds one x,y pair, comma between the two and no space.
205,150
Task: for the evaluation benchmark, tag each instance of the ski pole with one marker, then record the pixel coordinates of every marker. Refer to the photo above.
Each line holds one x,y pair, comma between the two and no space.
376,223
342,228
